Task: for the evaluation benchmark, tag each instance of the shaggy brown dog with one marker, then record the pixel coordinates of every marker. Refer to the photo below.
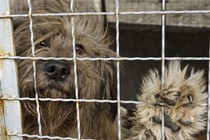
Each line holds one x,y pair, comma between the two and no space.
55,79
182,98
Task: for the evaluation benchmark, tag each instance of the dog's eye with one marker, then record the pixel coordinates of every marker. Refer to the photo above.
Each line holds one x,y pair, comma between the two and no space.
43,43
79,48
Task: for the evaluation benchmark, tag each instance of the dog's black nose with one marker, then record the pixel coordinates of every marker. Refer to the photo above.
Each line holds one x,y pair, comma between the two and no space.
57,70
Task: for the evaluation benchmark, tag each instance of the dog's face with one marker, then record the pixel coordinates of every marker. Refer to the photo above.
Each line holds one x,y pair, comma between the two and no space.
53,38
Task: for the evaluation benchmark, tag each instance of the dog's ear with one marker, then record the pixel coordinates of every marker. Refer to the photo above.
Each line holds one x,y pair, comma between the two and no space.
108,87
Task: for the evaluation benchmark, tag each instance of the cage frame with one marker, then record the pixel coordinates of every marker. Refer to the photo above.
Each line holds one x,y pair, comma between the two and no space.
10,101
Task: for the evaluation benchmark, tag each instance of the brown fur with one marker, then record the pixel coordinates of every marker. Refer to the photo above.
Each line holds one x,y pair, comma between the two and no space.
181,97
96,79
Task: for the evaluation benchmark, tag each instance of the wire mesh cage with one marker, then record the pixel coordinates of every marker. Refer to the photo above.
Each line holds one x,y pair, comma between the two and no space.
101,96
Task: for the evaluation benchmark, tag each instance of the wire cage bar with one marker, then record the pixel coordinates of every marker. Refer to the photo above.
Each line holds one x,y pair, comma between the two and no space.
118,69
163,41
75,70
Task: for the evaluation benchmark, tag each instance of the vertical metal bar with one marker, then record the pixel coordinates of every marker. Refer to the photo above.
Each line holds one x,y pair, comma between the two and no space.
34,67
10,111
75,70
163,24
118,69
208,119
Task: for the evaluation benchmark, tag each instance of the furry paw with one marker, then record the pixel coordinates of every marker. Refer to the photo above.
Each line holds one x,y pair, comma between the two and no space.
182,96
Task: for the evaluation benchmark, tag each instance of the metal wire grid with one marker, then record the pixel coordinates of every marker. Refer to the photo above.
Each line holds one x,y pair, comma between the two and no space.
163,13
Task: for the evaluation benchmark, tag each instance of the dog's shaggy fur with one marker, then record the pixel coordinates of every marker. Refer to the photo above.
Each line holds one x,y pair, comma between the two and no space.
96,79
181,97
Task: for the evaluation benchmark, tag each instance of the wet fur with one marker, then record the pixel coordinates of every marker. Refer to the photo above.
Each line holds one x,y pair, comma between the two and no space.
183,93
96,79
